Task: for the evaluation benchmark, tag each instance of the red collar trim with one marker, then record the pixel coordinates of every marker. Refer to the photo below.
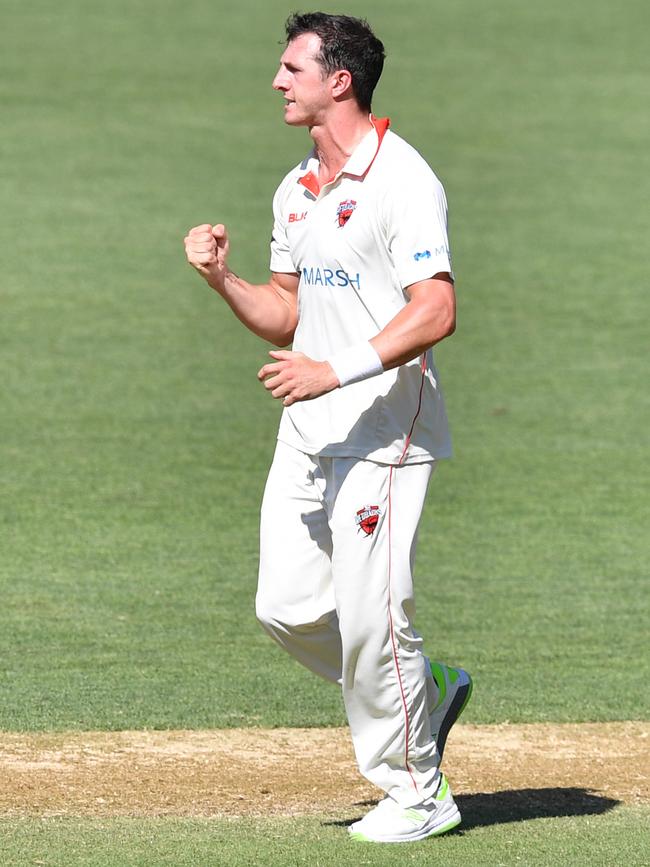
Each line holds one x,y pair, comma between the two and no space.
381,125
310,180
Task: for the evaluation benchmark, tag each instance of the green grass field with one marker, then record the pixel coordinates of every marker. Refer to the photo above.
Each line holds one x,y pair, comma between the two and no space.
619,838
135,437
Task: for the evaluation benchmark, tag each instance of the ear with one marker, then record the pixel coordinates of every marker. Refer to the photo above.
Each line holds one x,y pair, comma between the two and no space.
341,82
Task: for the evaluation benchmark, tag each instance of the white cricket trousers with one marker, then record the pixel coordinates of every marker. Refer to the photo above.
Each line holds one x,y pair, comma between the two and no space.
337,549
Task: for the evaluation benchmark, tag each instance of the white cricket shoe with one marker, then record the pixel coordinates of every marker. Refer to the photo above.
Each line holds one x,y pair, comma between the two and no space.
390,823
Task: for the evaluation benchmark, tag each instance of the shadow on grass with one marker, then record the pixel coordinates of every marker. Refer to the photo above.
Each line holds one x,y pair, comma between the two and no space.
519,805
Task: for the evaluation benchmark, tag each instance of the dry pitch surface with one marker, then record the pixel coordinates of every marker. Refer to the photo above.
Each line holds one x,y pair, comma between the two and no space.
298,771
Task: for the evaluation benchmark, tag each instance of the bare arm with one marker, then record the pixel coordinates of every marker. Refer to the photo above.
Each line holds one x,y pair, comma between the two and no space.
428,318
269,310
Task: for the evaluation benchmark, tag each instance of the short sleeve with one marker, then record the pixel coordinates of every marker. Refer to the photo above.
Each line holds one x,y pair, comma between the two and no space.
281,261
416,225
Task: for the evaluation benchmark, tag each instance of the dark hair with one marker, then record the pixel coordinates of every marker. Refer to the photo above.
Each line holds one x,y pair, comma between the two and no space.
346,43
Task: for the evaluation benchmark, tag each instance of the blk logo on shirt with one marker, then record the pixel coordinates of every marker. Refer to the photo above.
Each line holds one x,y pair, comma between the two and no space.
367,519
344,211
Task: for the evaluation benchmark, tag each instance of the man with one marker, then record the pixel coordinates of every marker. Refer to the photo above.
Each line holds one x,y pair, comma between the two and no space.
361,284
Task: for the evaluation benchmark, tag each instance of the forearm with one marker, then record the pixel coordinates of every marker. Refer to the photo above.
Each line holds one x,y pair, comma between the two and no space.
429,317
262,308
414,330
269,310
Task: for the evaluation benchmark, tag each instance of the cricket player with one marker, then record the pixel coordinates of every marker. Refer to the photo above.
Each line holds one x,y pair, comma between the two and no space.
361,287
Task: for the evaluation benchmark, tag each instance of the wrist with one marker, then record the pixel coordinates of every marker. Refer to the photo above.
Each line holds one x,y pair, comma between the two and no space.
356,363
218,280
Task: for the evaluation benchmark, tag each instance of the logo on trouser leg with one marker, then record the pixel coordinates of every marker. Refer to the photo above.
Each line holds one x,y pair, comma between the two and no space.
367,519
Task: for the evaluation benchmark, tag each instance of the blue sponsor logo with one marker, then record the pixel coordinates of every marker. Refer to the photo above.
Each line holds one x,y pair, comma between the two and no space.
328,277
426,254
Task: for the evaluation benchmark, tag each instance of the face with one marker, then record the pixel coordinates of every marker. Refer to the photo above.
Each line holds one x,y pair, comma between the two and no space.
300,79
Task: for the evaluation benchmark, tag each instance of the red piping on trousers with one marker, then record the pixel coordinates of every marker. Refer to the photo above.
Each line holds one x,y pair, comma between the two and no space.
390,613
393,643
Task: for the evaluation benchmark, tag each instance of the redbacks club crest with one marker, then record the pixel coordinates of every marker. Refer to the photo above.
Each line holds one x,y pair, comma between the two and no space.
367,519
344,211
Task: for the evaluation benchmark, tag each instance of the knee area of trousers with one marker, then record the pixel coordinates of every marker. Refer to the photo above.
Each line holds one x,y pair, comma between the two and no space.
282,620
266,614
365,635
361,634
273,618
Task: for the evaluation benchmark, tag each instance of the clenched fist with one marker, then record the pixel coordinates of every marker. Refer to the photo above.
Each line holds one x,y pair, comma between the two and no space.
206,248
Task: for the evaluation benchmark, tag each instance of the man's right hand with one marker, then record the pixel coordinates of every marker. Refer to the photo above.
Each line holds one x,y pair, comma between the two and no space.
206,248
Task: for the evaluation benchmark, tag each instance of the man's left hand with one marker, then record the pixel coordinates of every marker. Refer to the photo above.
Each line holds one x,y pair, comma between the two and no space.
293,377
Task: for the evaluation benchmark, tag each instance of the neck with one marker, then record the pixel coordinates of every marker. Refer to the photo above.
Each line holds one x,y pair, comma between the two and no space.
336,140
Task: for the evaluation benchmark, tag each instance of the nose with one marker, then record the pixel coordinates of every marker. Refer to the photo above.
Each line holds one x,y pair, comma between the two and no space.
279,82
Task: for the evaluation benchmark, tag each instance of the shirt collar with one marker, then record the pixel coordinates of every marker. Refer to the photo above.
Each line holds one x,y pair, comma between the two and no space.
361,159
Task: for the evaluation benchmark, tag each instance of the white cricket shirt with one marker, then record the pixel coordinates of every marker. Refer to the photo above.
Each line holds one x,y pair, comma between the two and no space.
379,226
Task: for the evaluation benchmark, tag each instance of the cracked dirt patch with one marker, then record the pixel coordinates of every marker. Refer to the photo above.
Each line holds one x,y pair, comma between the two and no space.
237,772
